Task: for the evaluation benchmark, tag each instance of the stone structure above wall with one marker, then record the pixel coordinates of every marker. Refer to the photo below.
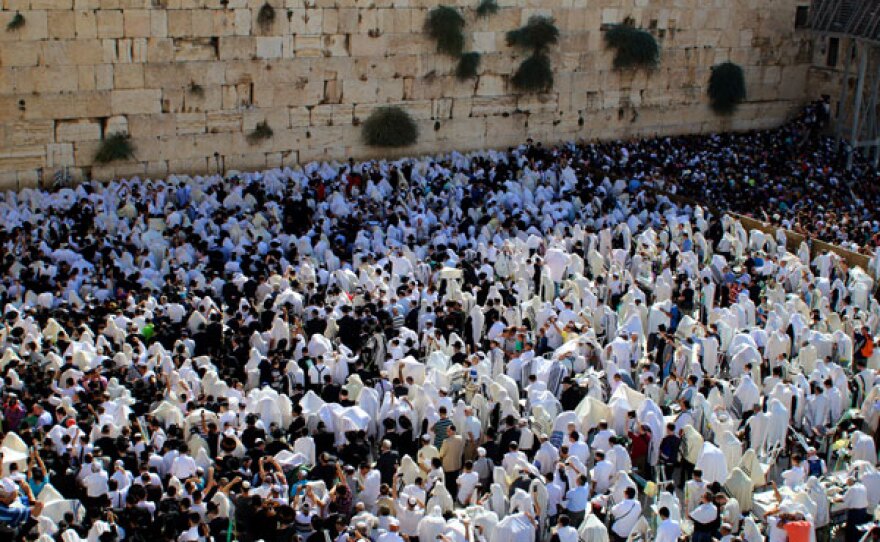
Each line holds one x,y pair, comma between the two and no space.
188,79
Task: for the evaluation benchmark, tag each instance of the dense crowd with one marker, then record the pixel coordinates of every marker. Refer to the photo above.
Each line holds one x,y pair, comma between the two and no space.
522,346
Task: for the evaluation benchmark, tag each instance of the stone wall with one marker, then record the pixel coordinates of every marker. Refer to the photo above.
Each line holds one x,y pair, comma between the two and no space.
81,69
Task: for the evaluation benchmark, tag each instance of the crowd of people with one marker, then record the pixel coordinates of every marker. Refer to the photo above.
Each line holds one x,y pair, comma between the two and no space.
523,346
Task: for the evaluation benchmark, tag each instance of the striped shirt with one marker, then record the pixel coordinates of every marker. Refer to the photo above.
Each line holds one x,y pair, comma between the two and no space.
440,432
14,517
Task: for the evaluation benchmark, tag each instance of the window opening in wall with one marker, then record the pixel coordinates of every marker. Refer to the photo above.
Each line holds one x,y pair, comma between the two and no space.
801,16
831,54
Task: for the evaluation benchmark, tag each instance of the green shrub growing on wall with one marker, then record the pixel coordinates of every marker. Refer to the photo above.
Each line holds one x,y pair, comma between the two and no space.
486,8
468,64
389,127
534,74
538,34
261,132
265,17
16,22
114,147
634,47
727,88
445,24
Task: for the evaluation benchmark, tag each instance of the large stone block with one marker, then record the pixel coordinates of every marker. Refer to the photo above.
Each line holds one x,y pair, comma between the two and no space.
128,76
110,23
71,131
18,53
21,158
125,102
61,24
46,79
136,23
237,48
269,47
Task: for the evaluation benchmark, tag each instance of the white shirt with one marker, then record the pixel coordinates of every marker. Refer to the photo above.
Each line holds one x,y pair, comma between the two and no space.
467,483
705,513
183,467
96,484
370,483
626,514
668,531
602,473
856,496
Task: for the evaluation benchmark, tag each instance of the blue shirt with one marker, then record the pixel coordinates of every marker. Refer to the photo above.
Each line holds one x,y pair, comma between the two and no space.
15,517
576,499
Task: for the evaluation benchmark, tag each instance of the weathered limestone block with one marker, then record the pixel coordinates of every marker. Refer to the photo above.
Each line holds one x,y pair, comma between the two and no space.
59,155
190,123
110,23
18,54
224,121
46,79
237,48
307,46
31,132
22,157
128,76
61,24
269,47
137,23
135,101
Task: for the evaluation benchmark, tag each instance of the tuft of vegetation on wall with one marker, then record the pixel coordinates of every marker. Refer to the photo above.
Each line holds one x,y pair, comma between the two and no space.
262,131
487,7
727,88
115,147
196,89
266,17
445,24
468,65
634,47
15,23
534,74
538,34
390,127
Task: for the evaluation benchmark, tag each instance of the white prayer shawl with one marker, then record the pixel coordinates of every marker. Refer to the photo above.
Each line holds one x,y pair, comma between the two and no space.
713,463
514,528
740,487
593,530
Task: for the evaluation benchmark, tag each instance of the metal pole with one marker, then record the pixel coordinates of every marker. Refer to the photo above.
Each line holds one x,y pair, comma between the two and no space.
844,94
857,110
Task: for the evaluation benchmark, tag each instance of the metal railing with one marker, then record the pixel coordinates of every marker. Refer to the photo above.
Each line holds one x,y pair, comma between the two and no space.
856,18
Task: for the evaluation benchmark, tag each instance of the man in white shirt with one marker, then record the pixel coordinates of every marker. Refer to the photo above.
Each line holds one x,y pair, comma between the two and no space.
703,517
184,466
694,490
855,500
625,515
96,483
602,473
369,481
564,532
668,530
602,440
467,484
578,448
